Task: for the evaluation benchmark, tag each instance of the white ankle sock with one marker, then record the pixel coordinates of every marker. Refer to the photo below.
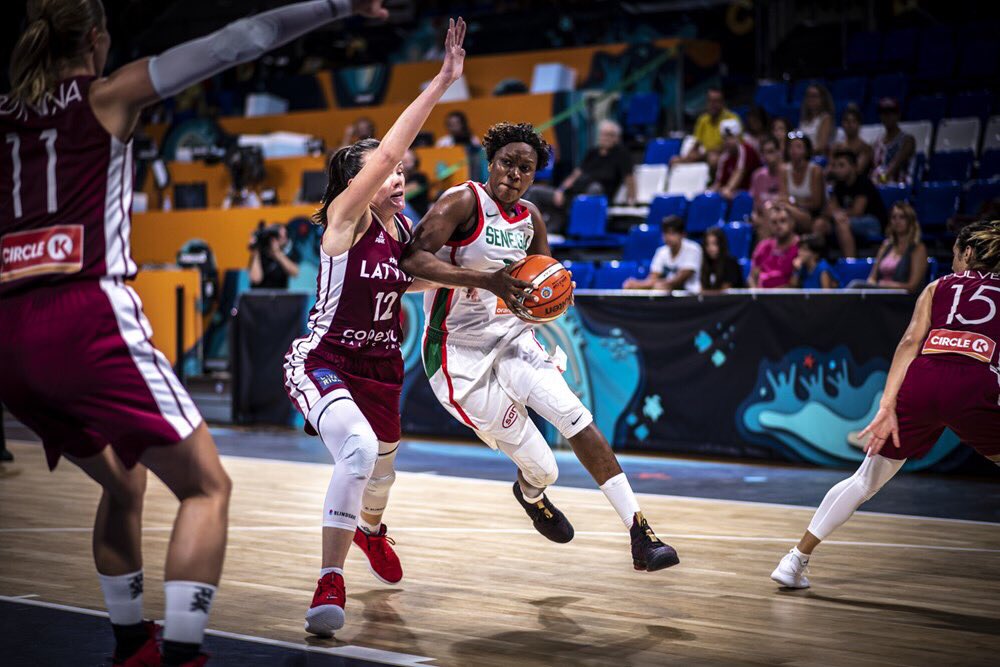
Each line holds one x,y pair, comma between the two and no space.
123,597
188,606
323,571
369,528
619,494
801,556
532,499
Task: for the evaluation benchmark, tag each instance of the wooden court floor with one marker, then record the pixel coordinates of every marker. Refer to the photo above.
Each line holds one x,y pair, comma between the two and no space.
482,588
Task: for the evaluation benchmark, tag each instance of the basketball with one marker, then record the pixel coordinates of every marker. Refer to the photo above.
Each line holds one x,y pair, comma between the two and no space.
552,284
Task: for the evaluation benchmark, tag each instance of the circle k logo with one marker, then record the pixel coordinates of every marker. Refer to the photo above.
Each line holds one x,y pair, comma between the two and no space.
59,247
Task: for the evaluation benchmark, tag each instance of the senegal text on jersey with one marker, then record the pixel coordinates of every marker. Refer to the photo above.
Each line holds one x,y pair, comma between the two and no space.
506,238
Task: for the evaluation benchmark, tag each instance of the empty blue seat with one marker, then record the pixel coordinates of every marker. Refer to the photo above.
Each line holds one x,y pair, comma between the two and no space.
980,193
642,242
899,47
545,174
741,207
863,50
951,165
979,59
664,205
739,236
706,210
933,268
583,273
927,107
659,151
989,163
772,97
937,202
889,85
643,109
936,57
588,218
849,89
975,103
853,268
745,265
611,275
894,193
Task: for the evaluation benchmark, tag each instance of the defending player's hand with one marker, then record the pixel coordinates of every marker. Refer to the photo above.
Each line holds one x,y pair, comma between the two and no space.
510,289
454,54
373,9
883,427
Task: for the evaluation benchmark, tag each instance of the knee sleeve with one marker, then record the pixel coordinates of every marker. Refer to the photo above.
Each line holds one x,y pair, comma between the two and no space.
354,447
847,496
552,398
376,494
533,457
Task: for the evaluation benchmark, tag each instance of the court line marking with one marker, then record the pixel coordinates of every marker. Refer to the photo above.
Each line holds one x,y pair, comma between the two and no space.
346,651
531,531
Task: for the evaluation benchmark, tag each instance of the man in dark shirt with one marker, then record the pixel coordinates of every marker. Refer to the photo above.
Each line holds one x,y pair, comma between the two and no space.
855,209
272,260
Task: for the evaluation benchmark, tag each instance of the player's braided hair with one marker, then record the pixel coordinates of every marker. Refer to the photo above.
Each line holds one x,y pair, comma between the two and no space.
984,239
502,134
345,164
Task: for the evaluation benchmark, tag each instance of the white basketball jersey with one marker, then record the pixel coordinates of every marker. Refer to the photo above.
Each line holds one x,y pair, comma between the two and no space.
470,316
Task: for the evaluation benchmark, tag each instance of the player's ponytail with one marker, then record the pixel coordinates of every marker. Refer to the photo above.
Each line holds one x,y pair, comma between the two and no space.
56,34
984,239
345,164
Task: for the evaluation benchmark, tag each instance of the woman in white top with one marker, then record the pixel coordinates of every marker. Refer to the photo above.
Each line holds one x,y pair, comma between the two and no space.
816,121
801,182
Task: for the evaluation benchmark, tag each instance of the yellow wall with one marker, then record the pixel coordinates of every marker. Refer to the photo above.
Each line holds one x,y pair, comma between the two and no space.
157,289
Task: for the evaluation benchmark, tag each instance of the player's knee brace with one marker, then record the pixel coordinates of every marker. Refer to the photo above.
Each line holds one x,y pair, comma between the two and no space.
377,490
874,472
359,454
534,459
558,405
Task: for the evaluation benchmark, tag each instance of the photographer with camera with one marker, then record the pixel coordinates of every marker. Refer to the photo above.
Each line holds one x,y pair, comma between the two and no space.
272,261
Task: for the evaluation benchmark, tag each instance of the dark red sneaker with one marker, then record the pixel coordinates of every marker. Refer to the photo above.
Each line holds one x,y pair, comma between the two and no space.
148,654
327,611
199,661
382,560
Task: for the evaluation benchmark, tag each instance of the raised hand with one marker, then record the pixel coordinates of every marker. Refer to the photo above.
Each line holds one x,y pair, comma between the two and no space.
454,54
373,9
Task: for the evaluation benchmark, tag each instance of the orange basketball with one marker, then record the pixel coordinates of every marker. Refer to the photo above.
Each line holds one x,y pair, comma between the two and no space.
553,285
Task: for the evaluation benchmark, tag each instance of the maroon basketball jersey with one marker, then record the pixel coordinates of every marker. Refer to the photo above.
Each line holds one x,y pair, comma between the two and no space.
65,192
358,297
965,318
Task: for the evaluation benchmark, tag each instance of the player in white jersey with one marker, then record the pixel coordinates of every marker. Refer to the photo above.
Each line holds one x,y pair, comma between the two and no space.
485,365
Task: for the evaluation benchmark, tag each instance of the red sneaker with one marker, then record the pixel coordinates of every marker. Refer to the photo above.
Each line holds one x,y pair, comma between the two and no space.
382,560
148,654
199,661
327,611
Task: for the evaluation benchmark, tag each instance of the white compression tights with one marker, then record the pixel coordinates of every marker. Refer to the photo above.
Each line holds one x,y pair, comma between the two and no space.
352,442
383,475
847,496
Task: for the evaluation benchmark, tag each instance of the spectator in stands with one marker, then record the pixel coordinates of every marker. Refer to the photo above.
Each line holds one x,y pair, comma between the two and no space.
758,126
801,182
816,121
272,260
779,130
603,169
765,185
719,269
902,259
707,130
416,186
812,271
849,138
245,197
855,207
456,124
676,264
773,261
737,161
362,128
894,150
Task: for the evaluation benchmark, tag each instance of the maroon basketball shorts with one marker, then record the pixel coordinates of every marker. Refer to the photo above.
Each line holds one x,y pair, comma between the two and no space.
316,380
77,367
947,390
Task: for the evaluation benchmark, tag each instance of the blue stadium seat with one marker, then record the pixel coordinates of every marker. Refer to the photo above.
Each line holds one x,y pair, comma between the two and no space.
933,268
927,107
741,207
772,97
611,274
706,210
889,85
642,242
664,205
937,202
853,268
739,236
799,91
975,103
979,59
850,89
894,193
643,109
951,166
588,217
989,163
745,265
583,273
659,151
979,193
899,47
863,50
936,57
545,174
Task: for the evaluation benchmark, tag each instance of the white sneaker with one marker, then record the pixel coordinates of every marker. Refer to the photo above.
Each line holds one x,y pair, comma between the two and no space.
790,572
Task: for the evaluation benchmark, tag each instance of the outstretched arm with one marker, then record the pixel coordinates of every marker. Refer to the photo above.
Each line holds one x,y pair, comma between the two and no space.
119,98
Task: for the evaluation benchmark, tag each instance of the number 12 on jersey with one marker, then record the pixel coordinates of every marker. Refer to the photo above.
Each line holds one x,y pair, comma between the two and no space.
383,305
